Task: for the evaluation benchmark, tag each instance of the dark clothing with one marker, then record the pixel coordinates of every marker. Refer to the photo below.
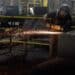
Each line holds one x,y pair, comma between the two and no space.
64,22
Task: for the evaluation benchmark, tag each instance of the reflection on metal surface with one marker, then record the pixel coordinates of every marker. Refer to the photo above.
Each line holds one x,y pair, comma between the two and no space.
14,42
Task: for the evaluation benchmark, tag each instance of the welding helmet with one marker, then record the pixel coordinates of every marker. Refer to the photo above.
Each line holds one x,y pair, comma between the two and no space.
65,7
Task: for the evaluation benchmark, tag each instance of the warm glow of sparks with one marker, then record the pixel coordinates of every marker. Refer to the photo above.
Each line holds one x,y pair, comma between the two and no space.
41,33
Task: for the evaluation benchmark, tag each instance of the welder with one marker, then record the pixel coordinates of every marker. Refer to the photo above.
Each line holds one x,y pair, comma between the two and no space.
59,20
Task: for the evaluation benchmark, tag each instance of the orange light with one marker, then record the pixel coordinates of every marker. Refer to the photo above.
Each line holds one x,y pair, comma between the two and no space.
56,28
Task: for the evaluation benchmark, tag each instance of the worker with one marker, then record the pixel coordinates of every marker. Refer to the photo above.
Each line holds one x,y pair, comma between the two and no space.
60,20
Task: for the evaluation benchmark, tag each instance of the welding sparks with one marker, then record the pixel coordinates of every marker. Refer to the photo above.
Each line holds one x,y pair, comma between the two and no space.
41,33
